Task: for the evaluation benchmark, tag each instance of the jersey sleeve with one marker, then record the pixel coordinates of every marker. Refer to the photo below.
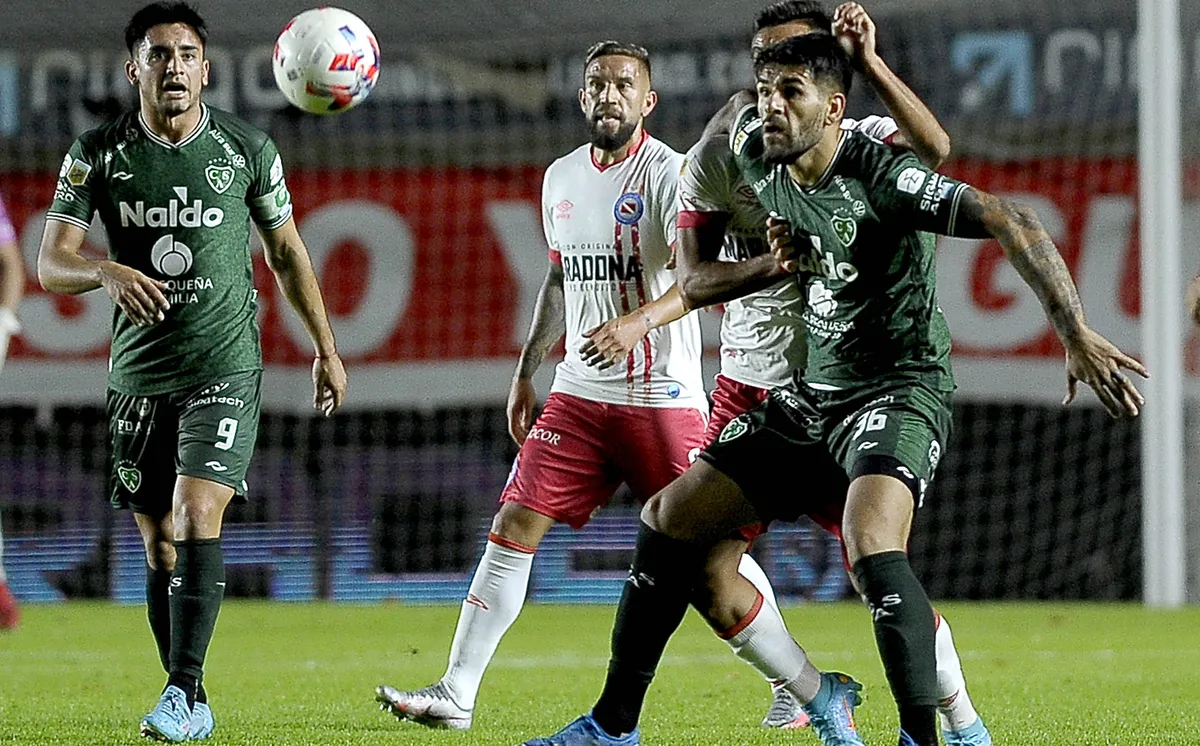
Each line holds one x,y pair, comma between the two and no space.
880,128
73,190
914,196
548,221
268,197
706,183
746,143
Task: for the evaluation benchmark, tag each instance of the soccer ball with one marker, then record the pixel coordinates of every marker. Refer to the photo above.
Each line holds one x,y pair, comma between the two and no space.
326,61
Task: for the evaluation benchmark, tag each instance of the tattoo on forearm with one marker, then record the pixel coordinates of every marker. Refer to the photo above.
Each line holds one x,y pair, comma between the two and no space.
549,325
1031,252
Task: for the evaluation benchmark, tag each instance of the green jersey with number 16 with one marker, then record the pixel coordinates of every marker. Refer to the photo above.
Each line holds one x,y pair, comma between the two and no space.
180,213
866,265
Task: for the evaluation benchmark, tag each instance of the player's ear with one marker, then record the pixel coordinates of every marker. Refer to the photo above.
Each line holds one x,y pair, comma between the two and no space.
131,72
650,102
583,103
836,110
204,74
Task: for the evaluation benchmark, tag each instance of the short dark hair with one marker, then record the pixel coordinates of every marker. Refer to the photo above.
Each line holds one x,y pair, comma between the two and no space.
159,13
618,49
794,11
820,53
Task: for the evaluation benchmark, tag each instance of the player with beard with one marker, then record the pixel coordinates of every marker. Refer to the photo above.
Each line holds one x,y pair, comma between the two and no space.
874,402
608,211
176,185
722,255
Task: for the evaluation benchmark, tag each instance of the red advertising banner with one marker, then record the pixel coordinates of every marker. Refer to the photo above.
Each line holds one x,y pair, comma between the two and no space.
431,276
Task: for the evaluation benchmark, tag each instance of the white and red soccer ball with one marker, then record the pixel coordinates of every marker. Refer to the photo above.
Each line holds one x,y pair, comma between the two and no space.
326,61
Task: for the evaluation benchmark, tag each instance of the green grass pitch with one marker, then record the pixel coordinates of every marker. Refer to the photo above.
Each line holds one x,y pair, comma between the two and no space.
278,674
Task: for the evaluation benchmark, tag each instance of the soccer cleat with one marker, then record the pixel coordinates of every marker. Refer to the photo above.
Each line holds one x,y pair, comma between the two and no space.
432,707
585,731
785,713
171,719
10,612
834,724
203,724
975,734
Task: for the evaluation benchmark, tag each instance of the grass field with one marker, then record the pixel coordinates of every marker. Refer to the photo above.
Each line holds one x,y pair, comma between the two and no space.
1049,675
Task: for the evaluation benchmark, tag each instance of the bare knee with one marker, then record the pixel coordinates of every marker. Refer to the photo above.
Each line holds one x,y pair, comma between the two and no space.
519,524
160,553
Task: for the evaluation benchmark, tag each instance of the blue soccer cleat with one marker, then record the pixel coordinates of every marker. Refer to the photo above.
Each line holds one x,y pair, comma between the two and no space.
203,724
171,719
975,734
585,731
834,723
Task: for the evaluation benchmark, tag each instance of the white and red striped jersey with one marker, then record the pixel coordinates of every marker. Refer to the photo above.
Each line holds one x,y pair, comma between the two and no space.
611,228
762,334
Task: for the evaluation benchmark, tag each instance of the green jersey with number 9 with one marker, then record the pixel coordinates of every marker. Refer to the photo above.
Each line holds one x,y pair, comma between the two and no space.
180,213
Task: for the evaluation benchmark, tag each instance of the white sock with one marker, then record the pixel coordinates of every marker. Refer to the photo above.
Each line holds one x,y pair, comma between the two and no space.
761,639
749,569
493,602
954,705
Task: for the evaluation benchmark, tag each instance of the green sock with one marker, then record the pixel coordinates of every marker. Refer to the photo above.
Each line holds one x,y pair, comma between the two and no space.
199,586
904,634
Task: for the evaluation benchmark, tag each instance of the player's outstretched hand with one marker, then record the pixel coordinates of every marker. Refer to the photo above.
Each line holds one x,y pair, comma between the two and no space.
611,342
329,384
779,237
140,297
1097,362
521,401
855,31
1192,300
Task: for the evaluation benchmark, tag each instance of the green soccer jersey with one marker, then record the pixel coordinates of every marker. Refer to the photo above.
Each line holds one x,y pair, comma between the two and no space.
180,213
866,263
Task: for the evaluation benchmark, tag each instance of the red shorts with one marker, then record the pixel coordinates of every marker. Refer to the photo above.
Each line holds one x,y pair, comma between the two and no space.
731,398
580,451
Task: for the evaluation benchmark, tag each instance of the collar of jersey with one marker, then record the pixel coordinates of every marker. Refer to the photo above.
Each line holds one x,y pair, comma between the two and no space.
175,145
632,152
821,182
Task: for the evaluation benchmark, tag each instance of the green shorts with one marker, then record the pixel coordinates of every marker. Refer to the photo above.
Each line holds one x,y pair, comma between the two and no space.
796,453
207,433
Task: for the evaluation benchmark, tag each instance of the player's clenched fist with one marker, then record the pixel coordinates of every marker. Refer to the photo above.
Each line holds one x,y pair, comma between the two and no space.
140,297
855,31
521,401
329,383
779,238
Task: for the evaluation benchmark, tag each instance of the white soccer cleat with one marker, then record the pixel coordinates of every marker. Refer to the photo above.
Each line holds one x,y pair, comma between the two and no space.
431,707
785,713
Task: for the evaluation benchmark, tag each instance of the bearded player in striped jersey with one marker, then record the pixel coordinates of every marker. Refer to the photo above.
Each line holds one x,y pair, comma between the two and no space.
608,210
722,254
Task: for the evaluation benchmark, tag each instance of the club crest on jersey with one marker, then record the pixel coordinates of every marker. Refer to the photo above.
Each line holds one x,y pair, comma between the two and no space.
629,208
846,229
130,476
736,428
219,177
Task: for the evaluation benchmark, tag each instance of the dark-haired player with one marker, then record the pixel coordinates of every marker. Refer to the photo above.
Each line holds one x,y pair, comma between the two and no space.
176,185
608,210
874,402
722,255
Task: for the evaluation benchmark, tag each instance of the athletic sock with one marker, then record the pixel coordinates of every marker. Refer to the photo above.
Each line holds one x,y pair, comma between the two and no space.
761,639
158,612
954,704
197,587
904,635
749,569
494,600
664,574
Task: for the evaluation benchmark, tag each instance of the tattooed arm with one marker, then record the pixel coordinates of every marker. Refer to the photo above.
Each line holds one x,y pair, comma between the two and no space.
1090,357
548,327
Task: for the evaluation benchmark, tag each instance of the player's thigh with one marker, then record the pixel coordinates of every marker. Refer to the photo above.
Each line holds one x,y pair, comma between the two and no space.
142,433
218,428
652,446
878,517
900,433
703,505
775,454
564,469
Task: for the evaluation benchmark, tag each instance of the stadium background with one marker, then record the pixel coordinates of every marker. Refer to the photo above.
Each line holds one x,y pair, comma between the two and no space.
420,209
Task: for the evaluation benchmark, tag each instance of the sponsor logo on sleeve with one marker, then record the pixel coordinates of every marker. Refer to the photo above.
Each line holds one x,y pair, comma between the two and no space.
910,180
276,170
77,174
